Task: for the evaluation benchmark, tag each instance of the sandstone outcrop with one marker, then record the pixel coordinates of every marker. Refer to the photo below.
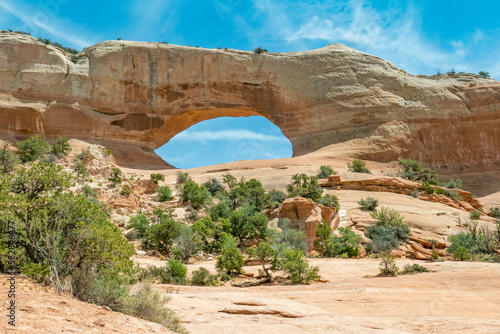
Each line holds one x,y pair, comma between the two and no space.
306,216
401,186
133,97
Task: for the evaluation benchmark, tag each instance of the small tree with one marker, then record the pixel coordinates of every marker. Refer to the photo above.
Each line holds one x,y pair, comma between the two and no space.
32,148
369,204
61,147
202,277
475,215
188,243
259,50
388,266
358,166
263,253
164,194
325,171
8,160
157,178
296,265
485,75
330,201
115,177
304,186
231,260
213,186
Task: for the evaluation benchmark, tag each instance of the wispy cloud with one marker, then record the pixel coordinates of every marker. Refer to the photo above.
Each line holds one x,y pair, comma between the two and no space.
394,33
32,19
226,135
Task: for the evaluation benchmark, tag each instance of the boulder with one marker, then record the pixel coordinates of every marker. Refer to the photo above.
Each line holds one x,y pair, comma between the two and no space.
307,215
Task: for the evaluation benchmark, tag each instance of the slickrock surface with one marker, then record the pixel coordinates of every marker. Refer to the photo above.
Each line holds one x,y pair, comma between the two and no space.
133,97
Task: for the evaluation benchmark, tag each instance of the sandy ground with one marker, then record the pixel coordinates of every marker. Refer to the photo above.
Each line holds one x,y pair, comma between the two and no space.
455,297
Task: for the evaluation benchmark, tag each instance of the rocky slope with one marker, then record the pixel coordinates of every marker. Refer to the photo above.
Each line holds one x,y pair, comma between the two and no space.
133,97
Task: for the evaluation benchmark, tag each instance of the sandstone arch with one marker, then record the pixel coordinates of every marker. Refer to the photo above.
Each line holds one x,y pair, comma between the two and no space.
134,96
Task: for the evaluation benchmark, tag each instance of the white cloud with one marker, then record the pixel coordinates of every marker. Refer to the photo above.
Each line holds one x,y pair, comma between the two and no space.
226,135
33,19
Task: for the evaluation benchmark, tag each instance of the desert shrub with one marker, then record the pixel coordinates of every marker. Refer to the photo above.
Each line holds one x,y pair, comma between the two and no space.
248,225
140,223
324,243
38,271
461,254
474,215
325,171
126,190
194,194
477,241
182,177
231,260
358,166
61,147
369,204
188,243
428,188
157,177
330,201
289,237
275,198
304,186
213,186
115,177
259,50
452,184
174,272
87,191
414,171
249,193
453,194
388,233
388,266
484,74
212,233
263,253
202,277
220,210
160,236
346,244
296,266
495,212
8,160
414,269
81,170
164,194
32,148
147,304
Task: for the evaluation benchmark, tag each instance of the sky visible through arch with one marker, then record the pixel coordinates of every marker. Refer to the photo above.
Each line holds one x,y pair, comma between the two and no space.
421,37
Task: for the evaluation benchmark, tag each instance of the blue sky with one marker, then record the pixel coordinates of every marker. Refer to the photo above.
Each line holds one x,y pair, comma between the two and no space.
420,37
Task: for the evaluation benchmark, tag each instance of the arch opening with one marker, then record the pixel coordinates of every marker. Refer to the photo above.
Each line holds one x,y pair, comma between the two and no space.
225,139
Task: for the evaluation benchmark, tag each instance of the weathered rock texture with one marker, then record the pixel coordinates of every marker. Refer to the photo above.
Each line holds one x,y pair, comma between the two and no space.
133,97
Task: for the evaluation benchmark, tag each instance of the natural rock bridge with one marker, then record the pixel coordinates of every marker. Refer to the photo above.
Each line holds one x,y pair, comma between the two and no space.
133,97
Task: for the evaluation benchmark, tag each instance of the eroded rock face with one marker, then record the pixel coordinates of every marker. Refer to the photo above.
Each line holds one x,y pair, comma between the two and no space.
307,215
133,97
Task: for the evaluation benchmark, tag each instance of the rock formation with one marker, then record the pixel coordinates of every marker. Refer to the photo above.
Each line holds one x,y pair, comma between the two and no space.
133,97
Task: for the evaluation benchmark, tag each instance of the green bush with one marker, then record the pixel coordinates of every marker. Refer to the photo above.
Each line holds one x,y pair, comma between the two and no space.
461,254
414,171
275,198
174,272
474,215
304,186
32,148
428,188
452,184
140,223
388,266
495,212
115,177
202,277
160,236
295,264
414,269
248,226
263,253
88,192
330,201
369,204
188,243
289,237
157,177
345,245
8,160
164,194
182,177
358,166
81,170
259,50
61,147
230,261
213,186
484,74
126,190
388,233
325,171
195,194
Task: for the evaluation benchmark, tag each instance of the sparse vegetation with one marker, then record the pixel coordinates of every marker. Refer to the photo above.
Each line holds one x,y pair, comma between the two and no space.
304,186
164,194
202,277
60,147
115,177
259,50
388,233
474,215
414,269
358,166
388,266
32,149
484,74
414,171
369,204
157,177
325,171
